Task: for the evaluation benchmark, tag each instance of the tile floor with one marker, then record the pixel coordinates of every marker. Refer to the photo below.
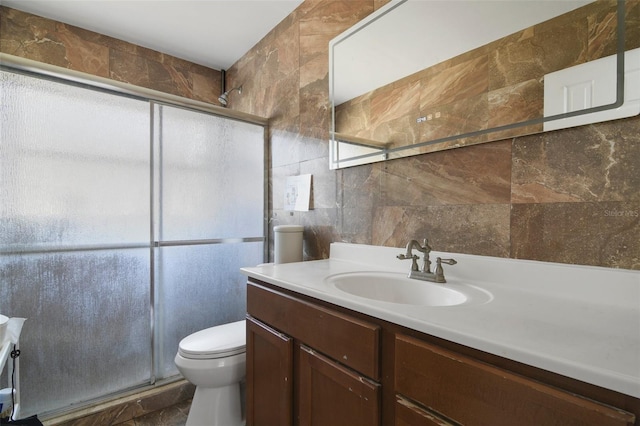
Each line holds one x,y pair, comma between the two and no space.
175,415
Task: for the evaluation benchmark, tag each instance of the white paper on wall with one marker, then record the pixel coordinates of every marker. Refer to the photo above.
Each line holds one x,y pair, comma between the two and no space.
297,194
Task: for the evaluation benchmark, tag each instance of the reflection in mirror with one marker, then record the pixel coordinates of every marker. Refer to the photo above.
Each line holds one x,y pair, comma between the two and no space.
423,75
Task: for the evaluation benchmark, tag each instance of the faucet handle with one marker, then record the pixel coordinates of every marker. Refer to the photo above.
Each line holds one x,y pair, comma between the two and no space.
414,259
439,271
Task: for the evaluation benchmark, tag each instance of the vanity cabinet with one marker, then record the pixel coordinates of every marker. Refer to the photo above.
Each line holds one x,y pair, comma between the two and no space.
314,363
409,414
309,365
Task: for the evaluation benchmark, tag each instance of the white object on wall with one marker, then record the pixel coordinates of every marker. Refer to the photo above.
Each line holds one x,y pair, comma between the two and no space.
589,85
297,194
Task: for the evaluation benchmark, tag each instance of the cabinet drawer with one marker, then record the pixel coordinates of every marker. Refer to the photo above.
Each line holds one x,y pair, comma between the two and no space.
474,393
350,341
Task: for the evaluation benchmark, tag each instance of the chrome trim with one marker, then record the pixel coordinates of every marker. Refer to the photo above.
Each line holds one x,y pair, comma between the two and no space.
152,237
175,243
45,249
41,68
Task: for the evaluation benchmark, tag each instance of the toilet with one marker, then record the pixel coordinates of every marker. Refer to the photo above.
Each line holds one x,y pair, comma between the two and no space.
214,360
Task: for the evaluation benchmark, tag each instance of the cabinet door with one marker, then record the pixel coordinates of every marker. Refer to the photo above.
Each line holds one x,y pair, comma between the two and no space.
474,393
269,376
410,414
332,395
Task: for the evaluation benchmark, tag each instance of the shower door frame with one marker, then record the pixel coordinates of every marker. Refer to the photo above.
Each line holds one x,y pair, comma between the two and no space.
36,69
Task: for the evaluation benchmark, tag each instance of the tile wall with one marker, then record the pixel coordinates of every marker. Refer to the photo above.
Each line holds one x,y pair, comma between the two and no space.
39,39
570,196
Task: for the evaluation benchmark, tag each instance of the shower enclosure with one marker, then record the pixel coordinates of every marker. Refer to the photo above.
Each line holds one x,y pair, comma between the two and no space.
124,221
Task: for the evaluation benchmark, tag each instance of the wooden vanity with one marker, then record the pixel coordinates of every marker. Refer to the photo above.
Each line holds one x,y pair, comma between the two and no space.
310,362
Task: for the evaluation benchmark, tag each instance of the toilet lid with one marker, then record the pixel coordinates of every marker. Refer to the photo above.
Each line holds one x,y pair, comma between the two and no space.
215,342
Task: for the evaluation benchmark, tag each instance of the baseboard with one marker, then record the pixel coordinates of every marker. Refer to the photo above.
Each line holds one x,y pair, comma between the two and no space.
125,408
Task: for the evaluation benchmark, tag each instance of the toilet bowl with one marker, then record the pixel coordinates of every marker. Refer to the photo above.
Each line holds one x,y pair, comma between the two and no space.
213,360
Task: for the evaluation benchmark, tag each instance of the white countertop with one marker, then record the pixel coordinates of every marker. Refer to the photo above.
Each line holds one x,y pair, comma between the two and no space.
579,321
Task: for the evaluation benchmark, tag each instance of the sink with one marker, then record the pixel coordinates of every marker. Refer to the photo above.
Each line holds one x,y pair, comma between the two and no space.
398,288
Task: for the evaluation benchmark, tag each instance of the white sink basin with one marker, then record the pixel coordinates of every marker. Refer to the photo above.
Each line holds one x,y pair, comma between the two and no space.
397,288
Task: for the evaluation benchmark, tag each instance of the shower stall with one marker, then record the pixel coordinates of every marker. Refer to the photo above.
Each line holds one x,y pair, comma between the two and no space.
125,216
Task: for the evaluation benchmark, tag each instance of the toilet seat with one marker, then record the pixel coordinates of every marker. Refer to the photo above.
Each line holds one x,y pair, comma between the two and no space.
215,342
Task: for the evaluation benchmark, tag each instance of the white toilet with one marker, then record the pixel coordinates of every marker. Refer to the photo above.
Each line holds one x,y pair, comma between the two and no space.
214,360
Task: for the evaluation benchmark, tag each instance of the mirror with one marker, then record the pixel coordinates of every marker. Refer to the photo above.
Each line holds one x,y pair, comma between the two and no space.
419,76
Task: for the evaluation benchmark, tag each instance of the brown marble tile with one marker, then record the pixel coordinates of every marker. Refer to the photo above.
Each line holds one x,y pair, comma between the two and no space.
317,28
55,43
518,103
175,415
602,24
463,81
377,4
124,411
481,229
632,24
44,40
599,162
457,118
323,20
290,147
359,186
82,55
603,27
150,74
599,234
270,76
320,230
323,185
358,195
315,113
438,145
402,131
355,225
207,87
557,47
354,118
474,175
395,101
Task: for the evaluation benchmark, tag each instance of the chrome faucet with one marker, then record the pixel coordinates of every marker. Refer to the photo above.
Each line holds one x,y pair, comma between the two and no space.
424,273
424,249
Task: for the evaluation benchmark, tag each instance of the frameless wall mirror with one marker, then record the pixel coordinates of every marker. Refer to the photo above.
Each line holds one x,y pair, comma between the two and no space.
419,76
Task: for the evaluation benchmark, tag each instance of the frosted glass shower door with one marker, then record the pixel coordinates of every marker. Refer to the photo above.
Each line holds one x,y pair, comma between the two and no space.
74,239
209,221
